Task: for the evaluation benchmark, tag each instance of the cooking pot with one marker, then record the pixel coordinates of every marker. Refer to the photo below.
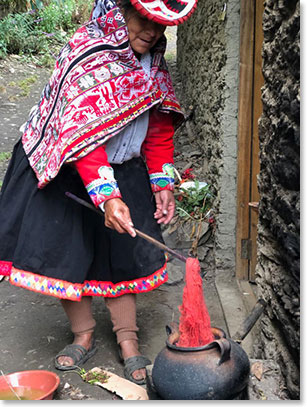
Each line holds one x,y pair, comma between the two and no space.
217,371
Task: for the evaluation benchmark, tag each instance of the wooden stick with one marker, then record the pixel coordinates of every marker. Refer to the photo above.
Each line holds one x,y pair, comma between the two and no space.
138,232
160,245
250,321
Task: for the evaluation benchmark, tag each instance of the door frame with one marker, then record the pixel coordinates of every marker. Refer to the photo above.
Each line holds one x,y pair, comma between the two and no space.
249,111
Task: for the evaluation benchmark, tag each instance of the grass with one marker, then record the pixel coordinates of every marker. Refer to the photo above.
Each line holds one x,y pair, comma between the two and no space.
24,85
4,156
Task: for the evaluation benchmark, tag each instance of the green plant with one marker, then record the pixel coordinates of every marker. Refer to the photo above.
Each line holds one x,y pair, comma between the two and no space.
14,30
24,85
55,16
43,30
194,202
5,156
3,49
36,4
93,377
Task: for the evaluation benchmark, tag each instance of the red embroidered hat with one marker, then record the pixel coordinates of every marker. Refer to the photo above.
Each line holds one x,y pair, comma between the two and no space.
166,12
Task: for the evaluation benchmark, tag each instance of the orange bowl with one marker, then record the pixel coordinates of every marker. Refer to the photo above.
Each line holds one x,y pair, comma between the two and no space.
29,385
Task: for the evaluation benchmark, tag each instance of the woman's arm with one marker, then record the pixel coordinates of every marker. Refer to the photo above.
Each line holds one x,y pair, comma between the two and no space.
158,151
98,178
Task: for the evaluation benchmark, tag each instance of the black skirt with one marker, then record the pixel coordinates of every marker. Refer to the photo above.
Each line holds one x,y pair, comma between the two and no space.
55,246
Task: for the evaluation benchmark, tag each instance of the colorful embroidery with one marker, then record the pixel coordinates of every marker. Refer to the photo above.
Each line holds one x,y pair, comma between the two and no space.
65,290
46,285
98,86
165,180
95,288
104,187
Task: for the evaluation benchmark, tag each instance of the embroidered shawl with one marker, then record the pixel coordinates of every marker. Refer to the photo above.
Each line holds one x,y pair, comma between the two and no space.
98,86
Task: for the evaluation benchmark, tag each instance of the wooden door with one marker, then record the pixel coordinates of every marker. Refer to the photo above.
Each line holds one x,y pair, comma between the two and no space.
250,109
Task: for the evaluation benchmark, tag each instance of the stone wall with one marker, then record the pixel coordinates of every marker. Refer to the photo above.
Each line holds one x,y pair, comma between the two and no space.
208,61
278,230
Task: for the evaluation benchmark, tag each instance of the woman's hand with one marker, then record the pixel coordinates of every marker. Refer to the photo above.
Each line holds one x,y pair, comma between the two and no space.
165,203
117,216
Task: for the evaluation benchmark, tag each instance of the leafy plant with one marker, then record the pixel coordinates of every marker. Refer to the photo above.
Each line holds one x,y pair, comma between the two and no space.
43,29
3,48
93,377
36,4
14,30
194,202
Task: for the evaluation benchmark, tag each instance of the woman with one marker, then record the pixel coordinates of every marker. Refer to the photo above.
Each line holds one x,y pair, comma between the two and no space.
102,130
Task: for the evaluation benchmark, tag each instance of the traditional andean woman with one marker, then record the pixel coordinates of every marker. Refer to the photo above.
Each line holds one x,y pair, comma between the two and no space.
102,130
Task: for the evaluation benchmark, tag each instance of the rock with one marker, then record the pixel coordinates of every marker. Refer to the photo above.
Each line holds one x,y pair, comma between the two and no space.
175,273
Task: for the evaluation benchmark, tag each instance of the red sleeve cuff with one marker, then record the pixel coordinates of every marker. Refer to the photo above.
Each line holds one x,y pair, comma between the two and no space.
98,176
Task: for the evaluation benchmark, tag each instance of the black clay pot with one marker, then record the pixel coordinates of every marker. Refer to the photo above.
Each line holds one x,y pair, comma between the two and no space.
217,371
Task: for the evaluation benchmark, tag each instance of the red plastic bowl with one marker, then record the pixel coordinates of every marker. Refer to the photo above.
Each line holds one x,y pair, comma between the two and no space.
29,385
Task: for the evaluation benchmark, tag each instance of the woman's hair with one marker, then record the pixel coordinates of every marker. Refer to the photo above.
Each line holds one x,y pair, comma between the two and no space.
125,5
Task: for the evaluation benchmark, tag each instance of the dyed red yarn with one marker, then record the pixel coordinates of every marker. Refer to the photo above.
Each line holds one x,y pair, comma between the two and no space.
194,324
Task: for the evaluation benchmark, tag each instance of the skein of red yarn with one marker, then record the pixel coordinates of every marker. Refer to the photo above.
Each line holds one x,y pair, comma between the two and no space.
194,324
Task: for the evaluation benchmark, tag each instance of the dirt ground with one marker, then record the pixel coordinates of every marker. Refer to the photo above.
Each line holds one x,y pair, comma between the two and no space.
33,327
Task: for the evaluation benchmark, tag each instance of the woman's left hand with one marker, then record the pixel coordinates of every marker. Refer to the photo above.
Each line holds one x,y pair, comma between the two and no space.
165,203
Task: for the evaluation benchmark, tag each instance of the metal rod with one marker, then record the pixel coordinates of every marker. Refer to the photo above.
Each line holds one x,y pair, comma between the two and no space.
138,232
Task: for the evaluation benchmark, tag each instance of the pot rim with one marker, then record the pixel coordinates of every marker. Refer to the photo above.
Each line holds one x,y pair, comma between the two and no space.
218,333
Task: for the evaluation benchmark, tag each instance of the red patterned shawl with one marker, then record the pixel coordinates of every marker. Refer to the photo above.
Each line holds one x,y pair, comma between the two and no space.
98,86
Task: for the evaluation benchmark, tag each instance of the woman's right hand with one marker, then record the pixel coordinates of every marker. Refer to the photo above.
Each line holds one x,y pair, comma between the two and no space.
117,216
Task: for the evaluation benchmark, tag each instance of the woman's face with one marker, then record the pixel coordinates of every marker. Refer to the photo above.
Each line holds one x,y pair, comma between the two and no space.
143,33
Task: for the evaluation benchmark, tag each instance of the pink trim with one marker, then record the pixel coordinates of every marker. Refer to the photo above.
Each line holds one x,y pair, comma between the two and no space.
5,267
74,291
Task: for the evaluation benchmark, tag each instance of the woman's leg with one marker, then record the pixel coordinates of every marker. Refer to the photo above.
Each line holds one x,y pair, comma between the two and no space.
123,316
82,324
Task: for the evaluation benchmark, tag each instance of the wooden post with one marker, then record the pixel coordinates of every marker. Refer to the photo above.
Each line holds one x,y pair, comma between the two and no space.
244,130
257,111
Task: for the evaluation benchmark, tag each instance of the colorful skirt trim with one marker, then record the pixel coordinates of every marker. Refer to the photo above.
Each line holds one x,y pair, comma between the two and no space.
69,291
52,245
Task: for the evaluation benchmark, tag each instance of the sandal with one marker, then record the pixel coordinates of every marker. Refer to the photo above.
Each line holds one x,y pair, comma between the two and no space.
77,353
132,364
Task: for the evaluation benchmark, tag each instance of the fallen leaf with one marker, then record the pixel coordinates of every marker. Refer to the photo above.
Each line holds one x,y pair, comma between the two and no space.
257,370
122,387
262,395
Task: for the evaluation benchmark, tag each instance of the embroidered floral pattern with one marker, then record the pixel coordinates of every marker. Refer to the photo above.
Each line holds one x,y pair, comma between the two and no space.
163,180
104,187
66,290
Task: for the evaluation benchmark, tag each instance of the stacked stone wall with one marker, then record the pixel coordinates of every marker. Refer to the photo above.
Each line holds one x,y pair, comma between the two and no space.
201,58
278,266
208,62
